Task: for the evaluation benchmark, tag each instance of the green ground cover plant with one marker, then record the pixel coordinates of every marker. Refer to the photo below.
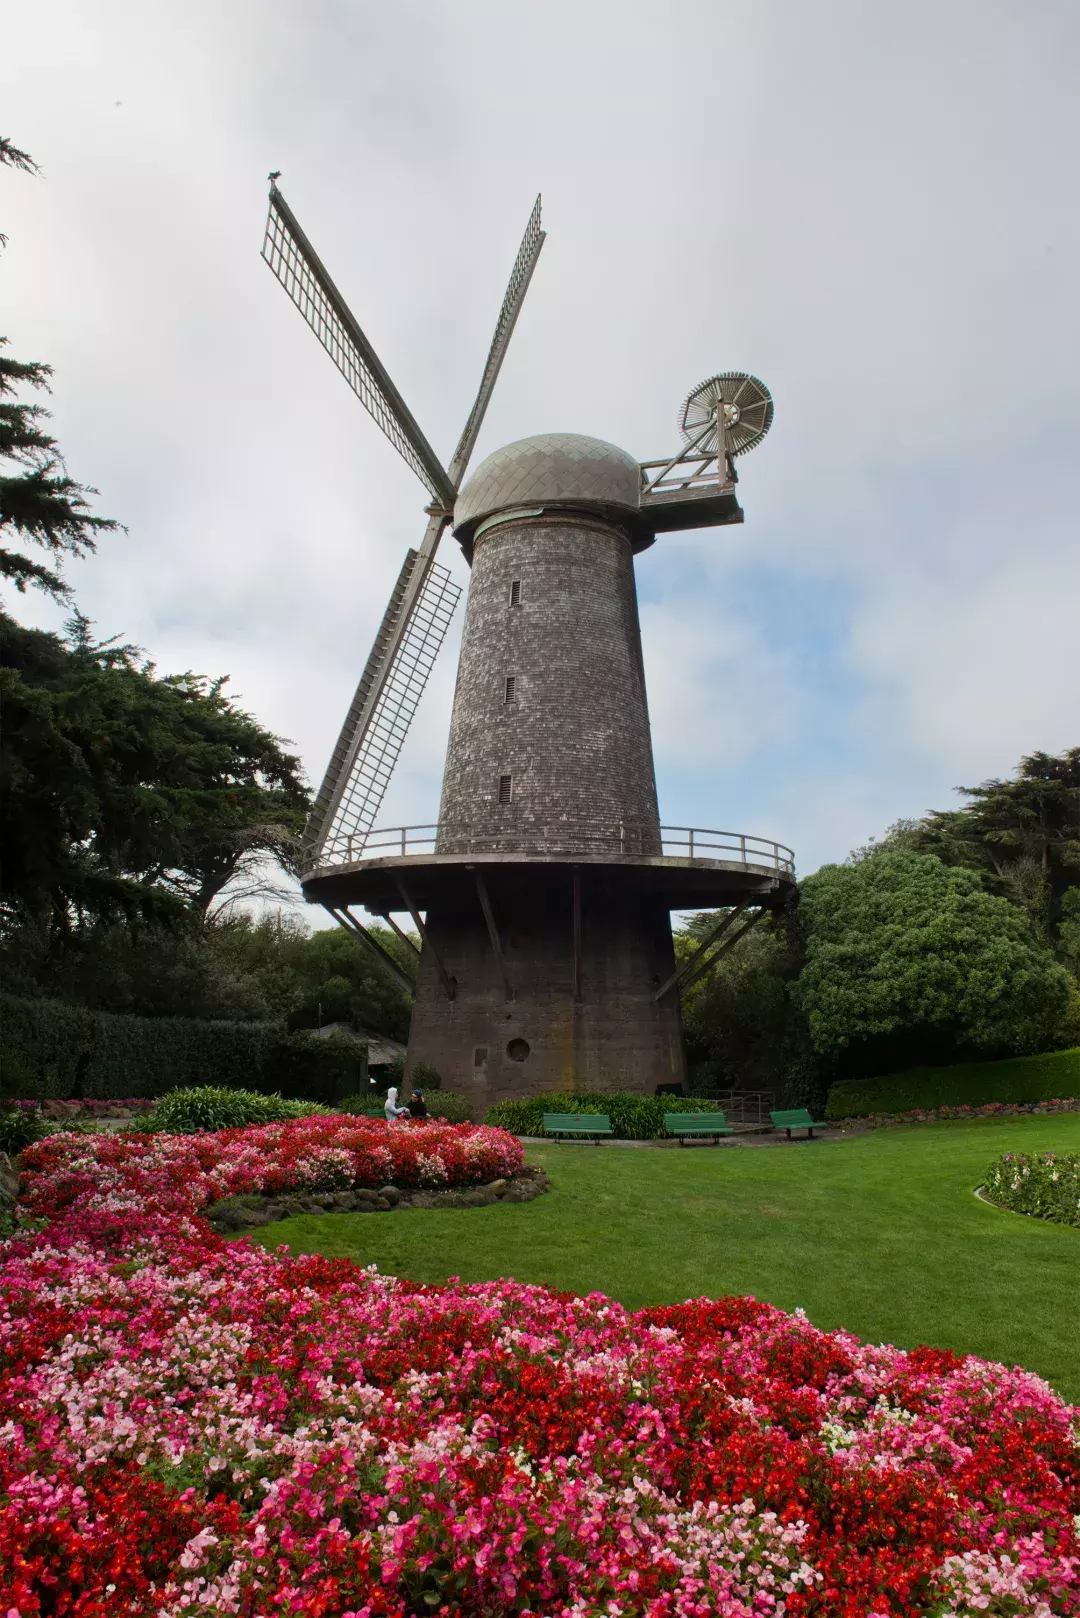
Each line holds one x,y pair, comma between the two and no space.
19,1127
633,1117
1053,1076
1046,1185
880,1233
185,1112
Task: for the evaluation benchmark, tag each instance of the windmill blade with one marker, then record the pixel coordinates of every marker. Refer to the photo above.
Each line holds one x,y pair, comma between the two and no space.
301,272
413,628
518,285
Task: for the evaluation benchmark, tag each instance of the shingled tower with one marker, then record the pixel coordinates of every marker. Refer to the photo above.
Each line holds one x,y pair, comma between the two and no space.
543,894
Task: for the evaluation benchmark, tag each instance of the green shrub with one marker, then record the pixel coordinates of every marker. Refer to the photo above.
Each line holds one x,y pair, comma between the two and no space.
1046,1186
186,1112
425,1077
1054,1076
369,1106
446,1104
633,1117
908,959
20,1127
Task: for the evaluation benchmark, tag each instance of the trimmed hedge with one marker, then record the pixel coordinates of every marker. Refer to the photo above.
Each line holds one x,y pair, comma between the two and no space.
633,1117
1053,1076
50,1050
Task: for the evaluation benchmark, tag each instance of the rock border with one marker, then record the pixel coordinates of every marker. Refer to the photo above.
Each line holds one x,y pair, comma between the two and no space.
980,1195
241,1213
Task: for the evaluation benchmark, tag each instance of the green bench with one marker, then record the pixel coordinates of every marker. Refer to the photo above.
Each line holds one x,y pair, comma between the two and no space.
796,1118
689,1125
586,1124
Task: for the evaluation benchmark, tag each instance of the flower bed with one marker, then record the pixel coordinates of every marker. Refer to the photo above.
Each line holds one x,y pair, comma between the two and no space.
991,1109
325,1152
1046,1186
194,1428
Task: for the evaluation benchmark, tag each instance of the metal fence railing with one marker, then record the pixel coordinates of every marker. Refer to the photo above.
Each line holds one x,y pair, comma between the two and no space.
585,838
744,1106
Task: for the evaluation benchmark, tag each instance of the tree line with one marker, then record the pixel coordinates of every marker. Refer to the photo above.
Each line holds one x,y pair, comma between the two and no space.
139,810
953,937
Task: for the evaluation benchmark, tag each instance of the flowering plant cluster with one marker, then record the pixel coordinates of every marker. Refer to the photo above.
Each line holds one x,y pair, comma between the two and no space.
1046,1186
89,1107
193,1428
181,1174
990,1109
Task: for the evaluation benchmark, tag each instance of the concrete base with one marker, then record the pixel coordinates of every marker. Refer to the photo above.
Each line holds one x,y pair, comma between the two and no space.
492,1047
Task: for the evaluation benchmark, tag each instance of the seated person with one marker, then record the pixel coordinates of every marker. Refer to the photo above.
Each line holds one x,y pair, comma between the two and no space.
417,1105
391,1110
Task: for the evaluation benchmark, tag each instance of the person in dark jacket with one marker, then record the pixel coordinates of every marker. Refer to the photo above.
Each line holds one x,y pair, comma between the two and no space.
417,1105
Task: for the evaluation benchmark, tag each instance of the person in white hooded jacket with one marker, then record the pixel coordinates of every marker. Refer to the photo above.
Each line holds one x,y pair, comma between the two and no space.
391,1109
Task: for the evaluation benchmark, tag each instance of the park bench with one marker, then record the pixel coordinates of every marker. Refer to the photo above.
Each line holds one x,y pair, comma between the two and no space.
586,1124
689,1125
796,1118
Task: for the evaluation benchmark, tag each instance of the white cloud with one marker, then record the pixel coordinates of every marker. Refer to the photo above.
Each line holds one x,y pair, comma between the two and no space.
867,206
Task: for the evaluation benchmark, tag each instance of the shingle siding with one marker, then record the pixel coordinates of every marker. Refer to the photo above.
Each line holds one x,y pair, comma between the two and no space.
575,736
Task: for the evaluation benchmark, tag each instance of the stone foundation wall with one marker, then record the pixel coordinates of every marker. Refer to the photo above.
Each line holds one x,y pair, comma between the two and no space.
492,1049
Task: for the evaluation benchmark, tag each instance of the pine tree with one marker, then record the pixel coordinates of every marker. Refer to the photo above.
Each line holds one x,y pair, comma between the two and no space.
39,502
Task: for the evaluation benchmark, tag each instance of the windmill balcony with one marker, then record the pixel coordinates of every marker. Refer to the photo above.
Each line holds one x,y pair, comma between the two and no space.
582,838
688,865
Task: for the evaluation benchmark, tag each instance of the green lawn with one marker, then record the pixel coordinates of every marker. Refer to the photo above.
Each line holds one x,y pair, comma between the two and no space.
879,1233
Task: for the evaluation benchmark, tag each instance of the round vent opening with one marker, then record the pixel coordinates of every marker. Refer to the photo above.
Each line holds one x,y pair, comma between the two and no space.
518,1050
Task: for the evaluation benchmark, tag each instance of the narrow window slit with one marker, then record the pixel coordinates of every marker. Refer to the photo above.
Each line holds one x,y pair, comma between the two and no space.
506,783
515,593
511,688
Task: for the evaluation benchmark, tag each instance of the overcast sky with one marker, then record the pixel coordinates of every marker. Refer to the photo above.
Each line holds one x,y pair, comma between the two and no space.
870,206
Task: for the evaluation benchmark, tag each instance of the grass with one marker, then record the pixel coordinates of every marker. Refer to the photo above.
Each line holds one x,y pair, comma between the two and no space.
1050,1076
879,1233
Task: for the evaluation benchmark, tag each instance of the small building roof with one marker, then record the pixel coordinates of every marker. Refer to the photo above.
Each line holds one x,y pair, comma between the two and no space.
381,1049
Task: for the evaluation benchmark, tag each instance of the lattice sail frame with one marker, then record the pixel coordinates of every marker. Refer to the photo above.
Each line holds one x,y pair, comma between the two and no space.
424,598
379,749
301,272
518,285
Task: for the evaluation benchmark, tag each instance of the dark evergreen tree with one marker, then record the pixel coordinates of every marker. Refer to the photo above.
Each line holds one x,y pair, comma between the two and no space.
123,790
39,502
1022,835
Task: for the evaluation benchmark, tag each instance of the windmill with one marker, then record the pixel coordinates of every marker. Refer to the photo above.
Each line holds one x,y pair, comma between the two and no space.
542,895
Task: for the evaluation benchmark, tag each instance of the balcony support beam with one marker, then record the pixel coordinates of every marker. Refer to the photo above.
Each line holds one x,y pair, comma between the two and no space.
680,978
449,983
346,919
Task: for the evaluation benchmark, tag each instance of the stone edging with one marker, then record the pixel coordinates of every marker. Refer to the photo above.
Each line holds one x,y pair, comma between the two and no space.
249,1212
980,1194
